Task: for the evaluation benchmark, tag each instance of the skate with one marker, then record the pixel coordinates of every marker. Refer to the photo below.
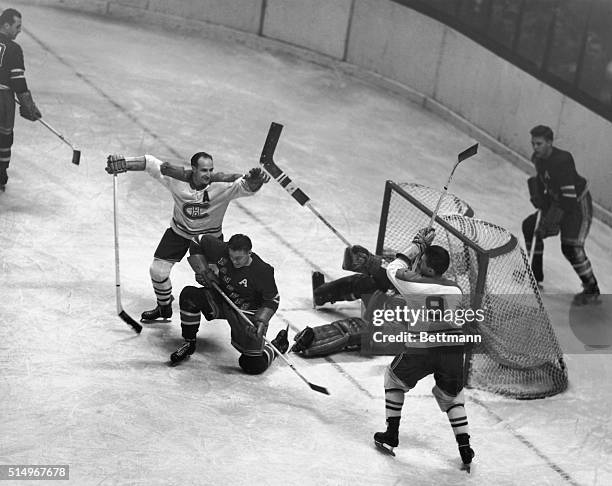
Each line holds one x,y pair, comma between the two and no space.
281,342
590,295
465,451
318,279
185,350
163,312
386,442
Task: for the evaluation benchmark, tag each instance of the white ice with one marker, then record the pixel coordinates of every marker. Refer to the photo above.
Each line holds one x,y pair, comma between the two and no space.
78,387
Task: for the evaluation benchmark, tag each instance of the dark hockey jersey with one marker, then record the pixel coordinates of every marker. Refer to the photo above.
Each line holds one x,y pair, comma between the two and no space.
249,287
558,179
12,68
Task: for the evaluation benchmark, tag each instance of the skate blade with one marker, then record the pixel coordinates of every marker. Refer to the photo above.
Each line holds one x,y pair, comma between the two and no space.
384,448
156,321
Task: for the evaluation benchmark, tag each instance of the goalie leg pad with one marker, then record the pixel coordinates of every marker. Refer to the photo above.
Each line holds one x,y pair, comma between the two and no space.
446,401
345,288
331,338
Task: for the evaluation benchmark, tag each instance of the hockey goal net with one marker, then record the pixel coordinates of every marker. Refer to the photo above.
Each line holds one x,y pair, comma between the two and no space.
519,355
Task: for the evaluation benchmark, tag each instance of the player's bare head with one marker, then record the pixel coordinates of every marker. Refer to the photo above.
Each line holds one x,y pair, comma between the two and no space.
542,140
435,261
10,22
239,249
202,168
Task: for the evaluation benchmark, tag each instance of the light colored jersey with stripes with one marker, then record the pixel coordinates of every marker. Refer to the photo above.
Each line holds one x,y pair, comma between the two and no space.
198,211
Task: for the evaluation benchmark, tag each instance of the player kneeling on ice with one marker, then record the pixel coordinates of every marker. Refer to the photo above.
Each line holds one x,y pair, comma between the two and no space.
425,287
249,282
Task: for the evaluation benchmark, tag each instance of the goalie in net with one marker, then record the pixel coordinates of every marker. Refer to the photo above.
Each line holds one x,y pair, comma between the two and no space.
519,355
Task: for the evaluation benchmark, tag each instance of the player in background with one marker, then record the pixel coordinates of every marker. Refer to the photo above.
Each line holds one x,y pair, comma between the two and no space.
200,202
12,82
562,197
425,287
249,282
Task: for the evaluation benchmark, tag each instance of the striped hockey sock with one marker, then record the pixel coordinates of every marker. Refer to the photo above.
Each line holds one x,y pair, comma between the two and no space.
163,291
394,401
458,419
190,324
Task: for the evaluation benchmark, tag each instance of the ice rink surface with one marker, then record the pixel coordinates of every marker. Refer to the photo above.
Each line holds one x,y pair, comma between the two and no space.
78,387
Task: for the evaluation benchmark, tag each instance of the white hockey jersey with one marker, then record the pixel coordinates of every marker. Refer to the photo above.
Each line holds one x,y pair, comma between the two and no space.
196,211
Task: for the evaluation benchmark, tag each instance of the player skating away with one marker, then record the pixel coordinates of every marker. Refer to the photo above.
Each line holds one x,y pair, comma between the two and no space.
425,287
562,197
201,198
249,282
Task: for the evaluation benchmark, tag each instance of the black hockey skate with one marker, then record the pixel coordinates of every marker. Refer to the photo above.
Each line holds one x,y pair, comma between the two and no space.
160,312
465,451
186,350
590,295
318,279
386,441
281,342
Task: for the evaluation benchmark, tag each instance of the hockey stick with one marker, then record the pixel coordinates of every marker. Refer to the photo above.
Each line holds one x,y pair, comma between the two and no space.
314,387
533,238
267,161
466,154
76,154
120,312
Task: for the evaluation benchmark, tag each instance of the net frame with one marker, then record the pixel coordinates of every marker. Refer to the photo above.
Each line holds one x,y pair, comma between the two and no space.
532,372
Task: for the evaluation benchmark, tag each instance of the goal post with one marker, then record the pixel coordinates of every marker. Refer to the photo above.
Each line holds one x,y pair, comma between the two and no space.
519,355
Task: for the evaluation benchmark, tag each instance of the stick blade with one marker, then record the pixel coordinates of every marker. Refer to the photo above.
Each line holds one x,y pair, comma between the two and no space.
270,144
317,388
467,153
130,322
76,157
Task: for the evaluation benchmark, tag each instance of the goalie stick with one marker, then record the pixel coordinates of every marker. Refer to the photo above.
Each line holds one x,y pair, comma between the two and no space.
317,388
120,312
267,161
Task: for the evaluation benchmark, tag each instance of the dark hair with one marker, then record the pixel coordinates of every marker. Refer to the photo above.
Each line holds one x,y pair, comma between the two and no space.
197,156
542,131
240,242
8,16
438,259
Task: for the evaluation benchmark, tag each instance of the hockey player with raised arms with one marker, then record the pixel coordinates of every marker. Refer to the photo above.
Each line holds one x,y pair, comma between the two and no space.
249,283
201,198
426,287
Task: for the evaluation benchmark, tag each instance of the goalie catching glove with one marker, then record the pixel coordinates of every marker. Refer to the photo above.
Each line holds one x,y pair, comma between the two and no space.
27,107
256,178
359,259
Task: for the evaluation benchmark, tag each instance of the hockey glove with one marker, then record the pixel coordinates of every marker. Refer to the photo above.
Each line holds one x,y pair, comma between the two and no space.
303,340
207,278
550,223
424,238
359,259
27,107
116,164
261,320
256,178
536,193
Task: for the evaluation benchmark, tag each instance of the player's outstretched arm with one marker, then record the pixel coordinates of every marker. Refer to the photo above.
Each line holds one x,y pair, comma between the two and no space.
223,177
116,164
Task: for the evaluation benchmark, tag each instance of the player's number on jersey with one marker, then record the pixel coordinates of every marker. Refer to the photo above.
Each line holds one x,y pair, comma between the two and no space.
435,303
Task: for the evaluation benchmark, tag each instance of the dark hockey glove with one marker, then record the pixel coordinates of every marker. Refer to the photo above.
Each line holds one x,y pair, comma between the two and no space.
303,340
207,278
261,320
359,259
424,238
256,178
27,107
116,164
536,193
550,223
